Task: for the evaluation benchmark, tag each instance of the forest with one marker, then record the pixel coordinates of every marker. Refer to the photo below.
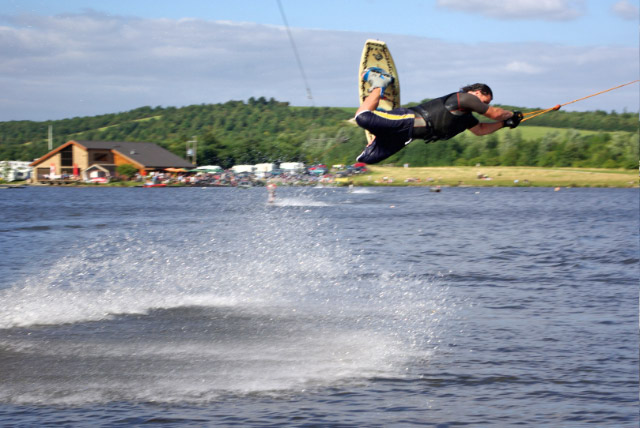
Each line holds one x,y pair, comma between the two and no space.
260,130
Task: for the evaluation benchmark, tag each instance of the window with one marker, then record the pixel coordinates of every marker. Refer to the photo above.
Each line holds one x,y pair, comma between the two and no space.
101,156
42,173
66,156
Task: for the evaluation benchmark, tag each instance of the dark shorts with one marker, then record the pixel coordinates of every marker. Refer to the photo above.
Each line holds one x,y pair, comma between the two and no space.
393,130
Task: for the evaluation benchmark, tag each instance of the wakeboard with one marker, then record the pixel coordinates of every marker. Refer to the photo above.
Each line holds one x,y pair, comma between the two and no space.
377,54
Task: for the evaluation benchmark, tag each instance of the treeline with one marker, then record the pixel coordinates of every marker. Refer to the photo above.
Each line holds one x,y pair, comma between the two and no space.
559,148
262,130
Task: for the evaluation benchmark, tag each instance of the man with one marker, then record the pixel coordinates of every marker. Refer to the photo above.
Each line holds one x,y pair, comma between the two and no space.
439,119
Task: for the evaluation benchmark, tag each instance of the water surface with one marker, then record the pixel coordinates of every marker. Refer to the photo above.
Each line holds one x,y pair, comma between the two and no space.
380,307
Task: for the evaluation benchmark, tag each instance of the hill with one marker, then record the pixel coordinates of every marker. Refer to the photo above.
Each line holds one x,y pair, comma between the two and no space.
261,130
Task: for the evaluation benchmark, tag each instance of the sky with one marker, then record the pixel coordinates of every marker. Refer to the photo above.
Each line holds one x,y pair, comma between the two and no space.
68,58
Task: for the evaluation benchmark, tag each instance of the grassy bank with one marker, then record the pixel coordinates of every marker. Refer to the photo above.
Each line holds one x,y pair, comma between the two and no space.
497,176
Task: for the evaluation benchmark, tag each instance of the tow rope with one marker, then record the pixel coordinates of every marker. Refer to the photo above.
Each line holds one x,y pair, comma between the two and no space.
532,114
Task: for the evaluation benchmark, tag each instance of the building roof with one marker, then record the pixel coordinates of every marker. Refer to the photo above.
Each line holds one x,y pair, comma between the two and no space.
150,155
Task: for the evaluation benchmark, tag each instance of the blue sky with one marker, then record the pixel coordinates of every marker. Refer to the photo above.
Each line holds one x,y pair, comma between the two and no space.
69,58
595,22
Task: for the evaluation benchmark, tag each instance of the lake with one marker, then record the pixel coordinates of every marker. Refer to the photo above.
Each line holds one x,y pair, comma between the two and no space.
377,307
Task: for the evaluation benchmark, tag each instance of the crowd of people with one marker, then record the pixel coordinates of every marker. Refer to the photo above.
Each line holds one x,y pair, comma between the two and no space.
229,178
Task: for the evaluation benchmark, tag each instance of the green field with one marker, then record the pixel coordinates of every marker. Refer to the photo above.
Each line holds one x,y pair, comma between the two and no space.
145,119
497,177
533,132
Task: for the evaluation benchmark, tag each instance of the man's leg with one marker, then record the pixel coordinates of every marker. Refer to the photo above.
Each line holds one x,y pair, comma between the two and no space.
378,80
366,117
371,102
392,130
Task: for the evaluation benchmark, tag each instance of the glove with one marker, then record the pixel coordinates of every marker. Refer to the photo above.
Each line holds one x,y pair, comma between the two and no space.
514,120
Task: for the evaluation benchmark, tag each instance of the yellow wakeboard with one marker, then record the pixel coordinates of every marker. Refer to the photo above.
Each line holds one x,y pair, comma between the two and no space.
376,54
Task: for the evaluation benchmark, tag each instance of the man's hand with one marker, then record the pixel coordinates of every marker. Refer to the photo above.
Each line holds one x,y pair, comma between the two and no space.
514,120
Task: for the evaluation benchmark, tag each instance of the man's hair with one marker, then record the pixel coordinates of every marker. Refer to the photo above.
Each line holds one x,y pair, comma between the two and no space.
486,90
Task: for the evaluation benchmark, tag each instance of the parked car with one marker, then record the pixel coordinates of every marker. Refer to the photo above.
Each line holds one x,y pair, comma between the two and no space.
318,170
359,168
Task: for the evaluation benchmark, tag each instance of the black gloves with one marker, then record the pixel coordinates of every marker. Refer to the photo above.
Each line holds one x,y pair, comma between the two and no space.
514,120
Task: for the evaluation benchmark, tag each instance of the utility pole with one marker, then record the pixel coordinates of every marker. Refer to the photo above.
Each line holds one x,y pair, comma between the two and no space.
192,149
50,138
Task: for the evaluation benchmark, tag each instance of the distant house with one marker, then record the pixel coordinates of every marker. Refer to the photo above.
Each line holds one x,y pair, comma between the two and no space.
261,169
75,157
292,166
15,170
239,169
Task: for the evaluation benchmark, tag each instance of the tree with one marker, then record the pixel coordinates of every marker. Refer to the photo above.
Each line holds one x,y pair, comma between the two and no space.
126,170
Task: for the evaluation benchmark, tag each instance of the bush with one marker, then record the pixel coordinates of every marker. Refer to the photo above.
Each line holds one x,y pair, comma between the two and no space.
126,170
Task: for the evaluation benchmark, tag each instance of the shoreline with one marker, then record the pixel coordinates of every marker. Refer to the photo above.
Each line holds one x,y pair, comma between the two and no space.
447,176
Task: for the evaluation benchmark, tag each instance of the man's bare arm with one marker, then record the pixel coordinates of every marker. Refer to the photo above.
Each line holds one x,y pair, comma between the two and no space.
496,113
486,128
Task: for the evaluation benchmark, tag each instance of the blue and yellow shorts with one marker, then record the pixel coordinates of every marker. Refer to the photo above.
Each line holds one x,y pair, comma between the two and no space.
393,130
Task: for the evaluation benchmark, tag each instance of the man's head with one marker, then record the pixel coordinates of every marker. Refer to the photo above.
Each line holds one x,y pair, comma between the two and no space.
480,90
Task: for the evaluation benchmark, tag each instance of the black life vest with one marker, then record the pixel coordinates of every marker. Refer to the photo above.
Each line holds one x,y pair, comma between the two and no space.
441,123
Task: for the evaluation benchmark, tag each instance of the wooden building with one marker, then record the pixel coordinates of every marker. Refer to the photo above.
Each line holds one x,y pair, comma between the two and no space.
75,157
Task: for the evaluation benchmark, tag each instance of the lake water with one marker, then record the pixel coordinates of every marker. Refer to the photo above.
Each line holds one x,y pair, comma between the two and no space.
475,307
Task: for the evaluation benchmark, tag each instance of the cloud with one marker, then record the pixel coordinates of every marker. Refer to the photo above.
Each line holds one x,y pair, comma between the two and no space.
548,10
87,64
625,10
523,67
